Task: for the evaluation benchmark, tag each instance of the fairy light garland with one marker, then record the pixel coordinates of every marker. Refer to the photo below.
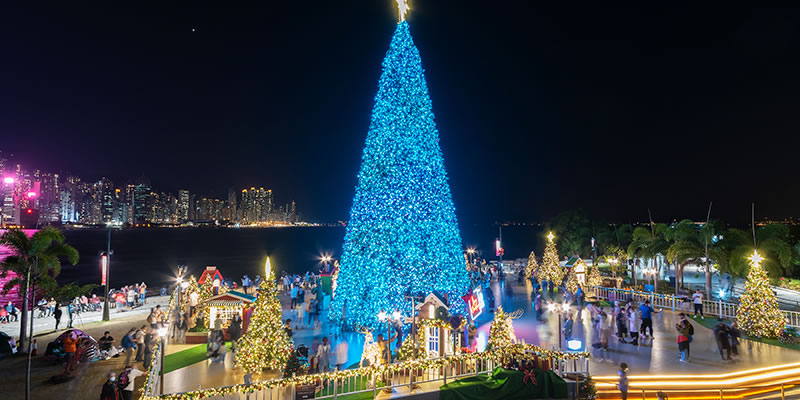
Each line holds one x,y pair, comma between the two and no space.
151,373
429,323
532,269
519,352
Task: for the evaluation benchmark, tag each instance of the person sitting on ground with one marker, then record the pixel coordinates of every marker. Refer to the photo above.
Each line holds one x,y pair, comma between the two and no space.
106,342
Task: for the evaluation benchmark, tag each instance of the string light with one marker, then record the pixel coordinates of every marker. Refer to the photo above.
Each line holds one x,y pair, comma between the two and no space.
594,278
402,236
265,345
521,353
758,314
533,267
551,270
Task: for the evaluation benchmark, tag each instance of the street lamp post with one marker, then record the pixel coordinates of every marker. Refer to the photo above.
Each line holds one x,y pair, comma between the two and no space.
105,262
559,309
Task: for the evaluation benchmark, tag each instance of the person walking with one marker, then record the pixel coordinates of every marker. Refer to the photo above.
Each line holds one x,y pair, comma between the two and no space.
622,384
734,339
57,314
301,309
323,356
606,323
567,329
721,334
293,293
128,378
110,391
138,338
128,345
697,299
683,339
341,354
684,319
622,324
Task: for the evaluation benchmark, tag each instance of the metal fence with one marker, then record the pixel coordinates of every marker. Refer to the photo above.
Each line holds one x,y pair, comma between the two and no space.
717,308
152,385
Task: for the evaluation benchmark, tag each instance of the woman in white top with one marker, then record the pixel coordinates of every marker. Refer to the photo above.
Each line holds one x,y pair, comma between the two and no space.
633,324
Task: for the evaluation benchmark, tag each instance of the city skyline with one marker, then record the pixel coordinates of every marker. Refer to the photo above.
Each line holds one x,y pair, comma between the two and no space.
32,197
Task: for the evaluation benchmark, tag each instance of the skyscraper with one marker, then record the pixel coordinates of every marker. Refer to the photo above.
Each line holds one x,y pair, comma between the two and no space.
107,195
183,205
142,203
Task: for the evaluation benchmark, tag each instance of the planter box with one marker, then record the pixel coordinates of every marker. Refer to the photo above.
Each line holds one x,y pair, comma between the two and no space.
196,337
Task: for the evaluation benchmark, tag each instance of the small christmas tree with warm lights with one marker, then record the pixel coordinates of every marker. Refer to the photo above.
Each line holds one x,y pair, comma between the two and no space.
594,278
265,345
758,314
532,269
501,333
572,281
551,270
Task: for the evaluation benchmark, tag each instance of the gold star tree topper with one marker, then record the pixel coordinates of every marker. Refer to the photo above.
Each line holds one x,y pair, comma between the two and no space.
402,7
756,258
550,236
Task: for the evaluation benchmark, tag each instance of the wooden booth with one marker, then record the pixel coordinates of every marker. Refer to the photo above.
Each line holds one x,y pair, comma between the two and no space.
439,337
580,269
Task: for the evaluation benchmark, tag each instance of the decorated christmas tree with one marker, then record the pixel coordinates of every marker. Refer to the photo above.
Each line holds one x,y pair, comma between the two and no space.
402,235
758,314
265,345
551,270
501,333
594,278
532,268
572,281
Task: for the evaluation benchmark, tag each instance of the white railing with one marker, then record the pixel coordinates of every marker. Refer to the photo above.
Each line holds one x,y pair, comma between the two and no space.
152,385
710,307
435,372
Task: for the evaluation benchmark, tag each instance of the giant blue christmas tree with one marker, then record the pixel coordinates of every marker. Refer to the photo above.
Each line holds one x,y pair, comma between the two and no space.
402,236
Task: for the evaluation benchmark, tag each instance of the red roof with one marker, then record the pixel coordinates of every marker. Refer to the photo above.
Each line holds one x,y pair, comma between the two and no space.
211,272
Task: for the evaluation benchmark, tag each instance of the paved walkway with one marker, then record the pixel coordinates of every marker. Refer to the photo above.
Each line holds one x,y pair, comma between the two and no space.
659,355
47,324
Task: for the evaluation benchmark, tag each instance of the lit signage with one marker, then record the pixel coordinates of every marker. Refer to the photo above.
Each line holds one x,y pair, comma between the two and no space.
498,248
104,268
475,302
575,345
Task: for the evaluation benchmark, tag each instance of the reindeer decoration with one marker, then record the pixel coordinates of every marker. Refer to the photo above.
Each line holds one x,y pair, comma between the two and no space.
372,352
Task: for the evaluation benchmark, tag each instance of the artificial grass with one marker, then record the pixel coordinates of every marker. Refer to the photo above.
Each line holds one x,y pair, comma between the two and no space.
711,322
352,383
185,358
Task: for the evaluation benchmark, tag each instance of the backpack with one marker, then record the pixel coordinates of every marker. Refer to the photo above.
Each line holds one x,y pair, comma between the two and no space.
123,379
691,329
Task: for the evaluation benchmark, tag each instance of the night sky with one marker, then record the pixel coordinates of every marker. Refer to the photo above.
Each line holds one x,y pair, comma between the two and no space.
540,107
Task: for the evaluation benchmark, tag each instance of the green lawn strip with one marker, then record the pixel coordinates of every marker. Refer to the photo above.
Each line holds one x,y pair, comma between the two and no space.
353,383
711,322
185,358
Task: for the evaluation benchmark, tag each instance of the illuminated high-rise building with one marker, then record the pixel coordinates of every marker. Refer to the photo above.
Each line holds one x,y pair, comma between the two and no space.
107,198
142,203
183,206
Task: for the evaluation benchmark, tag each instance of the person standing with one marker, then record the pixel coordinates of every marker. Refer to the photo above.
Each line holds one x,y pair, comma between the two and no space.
110,391
633,324
697,299
683,339
323,356
131,297
149,345
606,322
129,376
294,296
57,314
622,384
152,319
647,318
300,313
70,346
70,311
721,334
235,330
288,328
128,345
622,324
138,338
143,293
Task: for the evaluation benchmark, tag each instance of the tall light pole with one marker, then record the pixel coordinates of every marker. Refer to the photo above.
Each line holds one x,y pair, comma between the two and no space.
105,263
558,309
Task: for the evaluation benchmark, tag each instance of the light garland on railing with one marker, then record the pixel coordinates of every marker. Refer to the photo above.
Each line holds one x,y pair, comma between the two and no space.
152,375
519,352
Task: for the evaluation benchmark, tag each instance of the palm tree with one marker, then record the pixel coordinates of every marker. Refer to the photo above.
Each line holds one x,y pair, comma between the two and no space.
648,242
772,239
35,262
689,245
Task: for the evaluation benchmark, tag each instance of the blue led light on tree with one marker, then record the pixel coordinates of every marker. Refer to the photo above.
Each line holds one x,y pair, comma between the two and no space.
402,236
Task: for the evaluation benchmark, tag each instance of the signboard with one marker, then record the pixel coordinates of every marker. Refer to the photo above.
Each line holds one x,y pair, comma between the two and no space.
303,392
475,303
104,268
498,248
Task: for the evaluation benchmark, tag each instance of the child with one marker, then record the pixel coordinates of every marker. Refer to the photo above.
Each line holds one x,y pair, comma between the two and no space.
622,385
